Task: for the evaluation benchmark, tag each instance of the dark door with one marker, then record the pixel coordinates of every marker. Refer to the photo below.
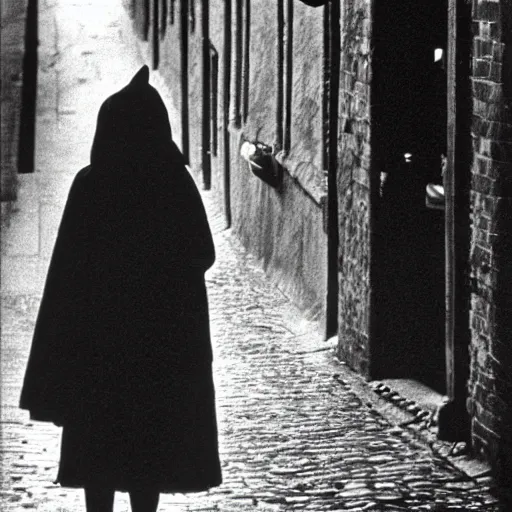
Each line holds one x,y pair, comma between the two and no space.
409,132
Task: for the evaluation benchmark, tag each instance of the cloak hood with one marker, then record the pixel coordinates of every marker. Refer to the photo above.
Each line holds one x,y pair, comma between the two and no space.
133,128
125,299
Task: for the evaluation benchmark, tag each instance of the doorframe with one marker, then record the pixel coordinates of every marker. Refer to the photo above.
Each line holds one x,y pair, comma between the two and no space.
454,421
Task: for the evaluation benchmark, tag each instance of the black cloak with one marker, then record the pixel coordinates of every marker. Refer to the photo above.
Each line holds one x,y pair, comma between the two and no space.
121,355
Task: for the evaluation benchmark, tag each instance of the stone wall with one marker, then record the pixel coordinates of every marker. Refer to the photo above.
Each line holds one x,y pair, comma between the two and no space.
284,229
490,383
302,155
354,186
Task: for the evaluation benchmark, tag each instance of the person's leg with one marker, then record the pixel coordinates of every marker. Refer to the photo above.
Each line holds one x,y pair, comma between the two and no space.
144,500
99,499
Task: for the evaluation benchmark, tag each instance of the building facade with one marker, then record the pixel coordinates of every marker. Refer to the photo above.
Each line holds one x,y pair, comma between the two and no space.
325,129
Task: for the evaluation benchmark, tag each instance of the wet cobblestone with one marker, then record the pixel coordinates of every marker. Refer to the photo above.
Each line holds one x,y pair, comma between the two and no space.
293,433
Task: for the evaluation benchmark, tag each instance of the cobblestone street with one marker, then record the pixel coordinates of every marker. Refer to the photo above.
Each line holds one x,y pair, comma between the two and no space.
295,432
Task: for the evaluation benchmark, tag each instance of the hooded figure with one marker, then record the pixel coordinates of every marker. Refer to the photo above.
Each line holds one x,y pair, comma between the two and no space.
121,354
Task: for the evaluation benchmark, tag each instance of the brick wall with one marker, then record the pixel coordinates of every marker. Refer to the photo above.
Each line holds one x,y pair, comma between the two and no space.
353,186
490,382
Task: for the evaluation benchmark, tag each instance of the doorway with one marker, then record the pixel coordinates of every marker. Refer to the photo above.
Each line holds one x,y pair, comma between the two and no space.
409,130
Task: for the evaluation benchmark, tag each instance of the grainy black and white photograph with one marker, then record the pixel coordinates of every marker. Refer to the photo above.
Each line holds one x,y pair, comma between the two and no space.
256,255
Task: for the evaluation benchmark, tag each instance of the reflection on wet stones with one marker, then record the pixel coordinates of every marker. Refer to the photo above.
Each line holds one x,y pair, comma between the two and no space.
293,434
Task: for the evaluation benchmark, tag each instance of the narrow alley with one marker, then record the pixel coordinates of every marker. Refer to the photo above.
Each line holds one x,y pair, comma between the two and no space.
295,432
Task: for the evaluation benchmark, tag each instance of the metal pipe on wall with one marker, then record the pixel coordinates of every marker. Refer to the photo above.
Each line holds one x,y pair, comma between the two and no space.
225,109
246,52
184,80
206,128
26,148
288,90
280,74
156,33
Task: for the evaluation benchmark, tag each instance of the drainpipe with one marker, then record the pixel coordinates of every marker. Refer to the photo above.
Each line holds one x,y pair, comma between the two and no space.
184,80
156,33
226,107
206,149
145,21
26,147
280,74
